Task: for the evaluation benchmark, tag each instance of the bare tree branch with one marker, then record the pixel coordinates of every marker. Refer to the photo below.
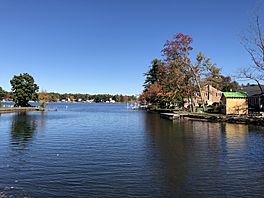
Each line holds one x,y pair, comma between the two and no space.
254,45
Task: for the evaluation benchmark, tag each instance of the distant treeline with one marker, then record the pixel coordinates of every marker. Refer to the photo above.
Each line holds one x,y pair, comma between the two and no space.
78,97
54,97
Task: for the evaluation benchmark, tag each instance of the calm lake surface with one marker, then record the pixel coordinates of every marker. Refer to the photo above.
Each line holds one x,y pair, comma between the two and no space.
105,150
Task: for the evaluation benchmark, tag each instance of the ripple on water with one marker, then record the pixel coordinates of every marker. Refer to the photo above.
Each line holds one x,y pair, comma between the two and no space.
105,150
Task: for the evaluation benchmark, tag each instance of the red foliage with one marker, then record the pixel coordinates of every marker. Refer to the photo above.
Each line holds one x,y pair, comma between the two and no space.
179,47
154,90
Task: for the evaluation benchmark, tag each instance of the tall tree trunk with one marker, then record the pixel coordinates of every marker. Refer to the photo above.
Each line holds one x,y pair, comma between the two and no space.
197,80
192,104
200,92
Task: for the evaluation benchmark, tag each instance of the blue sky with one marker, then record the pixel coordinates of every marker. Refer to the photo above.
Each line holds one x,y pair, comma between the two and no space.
105,46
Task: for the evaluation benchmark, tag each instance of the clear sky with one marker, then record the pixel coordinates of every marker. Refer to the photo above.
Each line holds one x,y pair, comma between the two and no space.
105,46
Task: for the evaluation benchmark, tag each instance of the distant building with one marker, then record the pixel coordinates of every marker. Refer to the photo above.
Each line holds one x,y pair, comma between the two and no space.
90,101
235,103
111,100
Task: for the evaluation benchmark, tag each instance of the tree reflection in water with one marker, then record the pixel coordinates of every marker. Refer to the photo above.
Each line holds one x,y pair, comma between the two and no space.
24,126
169,142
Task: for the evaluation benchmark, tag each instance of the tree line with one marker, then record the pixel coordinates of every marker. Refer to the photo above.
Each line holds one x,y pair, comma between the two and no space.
55,97
24,89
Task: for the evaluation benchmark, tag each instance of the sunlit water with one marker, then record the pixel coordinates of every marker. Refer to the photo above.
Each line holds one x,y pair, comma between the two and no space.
105,150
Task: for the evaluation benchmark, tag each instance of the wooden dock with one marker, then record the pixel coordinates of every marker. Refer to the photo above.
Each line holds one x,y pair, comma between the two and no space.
173,116
193,116
170,116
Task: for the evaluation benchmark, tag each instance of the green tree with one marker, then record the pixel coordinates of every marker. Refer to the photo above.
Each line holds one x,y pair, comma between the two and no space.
227,84
2,93
213,74
24,89
205,73
152,76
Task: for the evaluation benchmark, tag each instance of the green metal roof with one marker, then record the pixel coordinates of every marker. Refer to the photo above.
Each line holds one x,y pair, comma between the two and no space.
235,95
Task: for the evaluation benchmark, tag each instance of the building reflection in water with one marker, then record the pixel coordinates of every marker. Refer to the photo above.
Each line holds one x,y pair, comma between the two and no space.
236,138
236,131
24,126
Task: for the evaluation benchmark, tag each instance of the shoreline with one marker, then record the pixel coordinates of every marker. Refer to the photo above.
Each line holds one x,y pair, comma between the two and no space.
19,109
207,117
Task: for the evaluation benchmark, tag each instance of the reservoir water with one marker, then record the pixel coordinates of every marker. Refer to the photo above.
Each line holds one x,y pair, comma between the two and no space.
106,150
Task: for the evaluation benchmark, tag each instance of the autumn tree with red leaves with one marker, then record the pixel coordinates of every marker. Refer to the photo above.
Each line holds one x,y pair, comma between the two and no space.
176,53
176,79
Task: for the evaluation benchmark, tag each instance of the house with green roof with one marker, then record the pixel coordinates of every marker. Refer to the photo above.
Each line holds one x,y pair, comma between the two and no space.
234,103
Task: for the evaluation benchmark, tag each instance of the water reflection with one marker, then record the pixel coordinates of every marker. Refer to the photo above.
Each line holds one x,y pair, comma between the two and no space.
236,131
24,126
121,153
203,158
169,144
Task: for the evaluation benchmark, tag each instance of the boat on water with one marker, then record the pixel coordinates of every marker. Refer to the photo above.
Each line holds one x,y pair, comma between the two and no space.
133,106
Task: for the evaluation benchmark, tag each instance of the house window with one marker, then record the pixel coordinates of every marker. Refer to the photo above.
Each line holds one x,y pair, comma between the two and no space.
218,94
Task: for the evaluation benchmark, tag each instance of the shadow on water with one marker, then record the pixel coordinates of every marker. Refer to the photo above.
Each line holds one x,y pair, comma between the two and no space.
207,159
169,143
24,126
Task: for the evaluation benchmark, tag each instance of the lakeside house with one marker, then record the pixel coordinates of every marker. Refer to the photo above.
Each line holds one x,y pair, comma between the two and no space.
255,97
210,95
234,103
